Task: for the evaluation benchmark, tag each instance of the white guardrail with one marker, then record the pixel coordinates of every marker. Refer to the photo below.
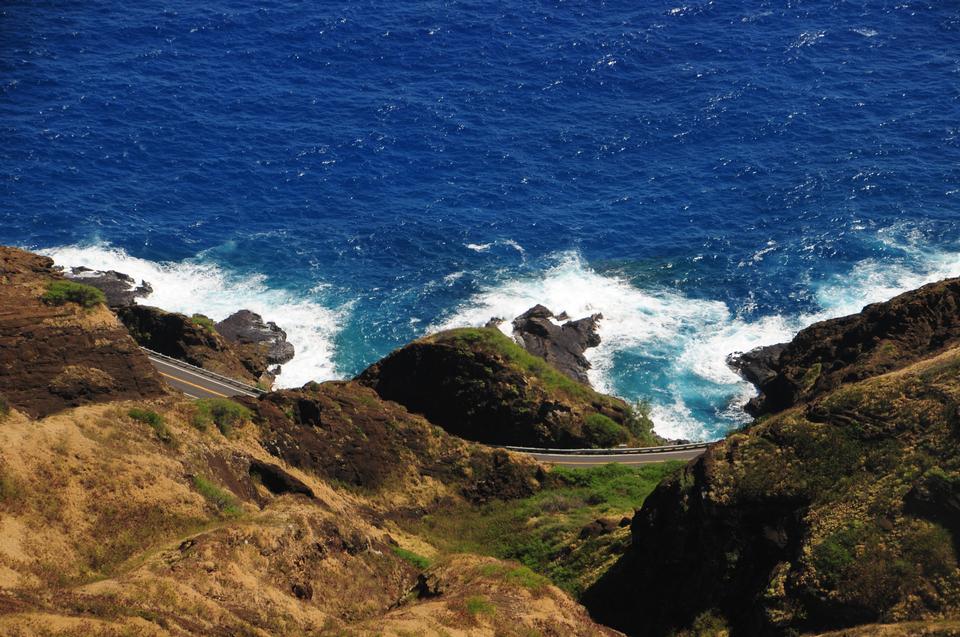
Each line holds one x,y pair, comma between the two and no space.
611,452
199,371
176,362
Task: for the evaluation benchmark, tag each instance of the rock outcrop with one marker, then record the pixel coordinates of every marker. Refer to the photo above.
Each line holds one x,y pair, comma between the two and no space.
257,343
58,356
883,337
840,511
120,289
344,432
560,345
480,385
191,339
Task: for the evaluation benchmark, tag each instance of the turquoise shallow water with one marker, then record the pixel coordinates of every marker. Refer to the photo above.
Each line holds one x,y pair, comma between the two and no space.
710,176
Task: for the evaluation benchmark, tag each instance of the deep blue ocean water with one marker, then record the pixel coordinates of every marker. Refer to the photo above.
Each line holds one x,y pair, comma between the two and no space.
710,176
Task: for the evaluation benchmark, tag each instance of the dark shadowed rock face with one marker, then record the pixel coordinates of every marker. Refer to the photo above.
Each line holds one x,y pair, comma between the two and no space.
560,345
179,336
480,385
842,511
883,337
57,356
246,329
120,289
344,432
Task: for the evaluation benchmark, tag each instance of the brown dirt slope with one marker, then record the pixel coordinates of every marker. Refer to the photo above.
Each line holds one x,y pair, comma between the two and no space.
57,356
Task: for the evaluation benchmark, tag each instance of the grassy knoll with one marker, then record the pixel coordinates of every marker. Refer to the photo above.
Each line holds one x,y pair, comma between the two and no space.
543,531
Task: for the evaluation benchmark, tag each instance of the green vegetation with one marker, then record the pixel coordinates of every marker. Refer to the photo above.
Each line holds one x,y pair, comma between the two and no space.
418,561
493,340
155,421
60,292
205,322
222,412
542,531
479,605
224,501
519,575
601,431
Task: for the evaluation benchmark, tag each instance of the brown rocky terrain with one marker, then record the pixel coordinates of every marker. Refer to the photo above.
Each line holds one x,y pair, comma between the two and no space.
54,356
194,340
145,513
883,337
563,346
480,385
840,511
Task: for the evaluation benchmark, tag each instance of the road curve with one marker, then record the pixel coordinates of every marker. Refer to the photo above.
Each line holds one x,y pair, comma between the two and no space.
200,383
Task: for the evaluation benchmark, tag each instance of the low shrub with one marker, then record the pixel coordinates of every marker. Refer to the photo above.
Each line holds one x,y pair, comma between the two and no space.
418,561
478,605
224,501
60,292
222,412
205,322
601,431
155,421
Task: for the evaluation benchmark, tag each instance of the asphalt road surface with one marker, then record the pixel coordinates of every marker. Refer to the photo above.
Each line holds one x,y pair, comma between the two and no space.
199,383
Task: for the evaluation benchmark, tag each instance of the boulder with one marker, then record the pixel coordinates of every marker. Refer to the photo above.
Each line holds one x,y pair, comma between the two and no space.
245,328
560,345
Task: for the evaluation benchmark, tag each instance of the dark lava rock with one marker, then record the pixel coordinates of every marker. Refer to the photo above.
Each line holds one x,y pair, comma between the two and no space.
344,432
276,480
247,328
560,345
181,337
54,357
472,383
882,338
120,289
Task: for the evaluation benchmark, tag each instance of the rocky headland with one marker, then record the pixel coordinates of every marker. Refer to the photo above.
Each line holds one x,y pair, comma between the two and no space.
838,508
369,506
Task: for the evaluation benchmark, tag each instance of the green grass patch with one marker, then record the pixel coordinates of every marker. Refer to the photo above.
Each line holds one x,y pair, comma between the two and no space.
224,501
539,531
603,432
204,322
496,341
155,421
416,560
60,292
222,412
479,605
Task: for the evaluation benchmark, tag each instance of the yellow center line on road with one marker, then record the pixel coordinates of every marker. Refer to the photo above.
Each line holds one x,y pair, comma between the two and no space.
186,382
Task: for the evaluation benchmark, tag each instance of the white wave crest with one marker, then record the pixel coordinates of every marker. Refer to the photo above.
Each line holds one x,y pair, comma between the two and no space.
195,286
689,340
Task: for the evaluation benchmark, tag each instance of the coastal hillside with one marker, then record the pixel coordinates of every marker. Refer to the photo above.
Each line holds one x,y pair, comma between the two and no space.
142,512
838,511
480,385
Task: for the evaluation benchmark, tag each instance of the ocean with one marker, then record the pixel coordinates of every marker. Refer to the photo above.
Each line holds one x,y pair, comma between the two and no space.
709,176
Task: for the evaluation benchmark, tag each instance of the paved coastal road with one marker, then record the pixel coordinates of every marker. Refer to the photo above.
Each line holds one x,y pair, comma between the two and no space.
199,383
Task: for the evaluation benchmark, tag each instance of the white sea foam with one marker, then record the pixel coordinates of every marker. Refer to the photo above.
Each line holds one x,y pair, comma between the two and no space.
691,338
196,286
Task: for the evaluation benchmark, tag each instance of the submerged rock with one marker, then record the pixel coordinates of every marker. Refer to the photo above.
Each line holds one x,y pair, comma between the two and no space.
120,289
560,345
